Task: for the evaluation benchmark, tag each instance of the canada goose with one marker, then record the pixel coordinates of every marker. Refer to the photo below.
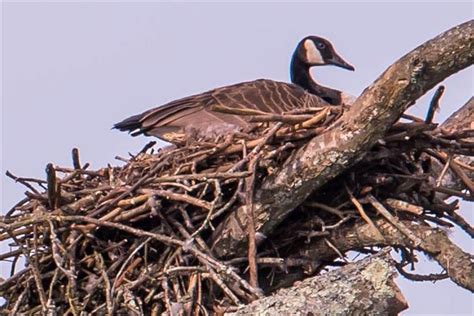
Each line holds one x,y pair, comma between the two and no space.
317,51
196,116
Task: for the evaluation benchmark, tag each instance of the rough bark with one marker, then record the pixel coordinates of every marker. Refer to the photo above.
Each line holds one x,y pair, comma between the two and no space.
435,243
366,287
462,119
363,287
343,145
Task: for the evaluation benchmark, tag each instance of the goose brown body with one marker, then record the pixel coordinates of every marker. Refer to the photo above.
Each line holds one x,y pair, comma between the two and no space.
196,115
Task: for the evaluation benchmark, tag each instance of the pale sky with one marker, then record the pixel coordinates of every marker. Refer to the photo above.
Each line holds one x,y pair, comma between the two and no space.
72,70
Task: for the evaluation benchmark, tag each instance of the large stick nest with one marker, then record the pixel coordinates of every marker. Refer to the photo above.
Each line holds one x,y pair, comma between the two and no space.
138,238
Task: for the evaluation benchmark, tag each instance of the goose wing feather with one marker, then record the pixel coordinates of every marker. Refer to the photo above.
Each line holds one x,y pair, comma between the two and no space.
196,111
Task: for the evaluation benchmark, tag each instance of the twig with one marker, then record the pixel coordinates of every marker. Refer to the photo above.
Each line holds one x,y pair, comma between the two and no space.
456,169
51,286
404,206
25,181
178,197
256,144
252,244
339,253
19,300
208,218
461,222
203,176
107,289
326,208
53,194
419,277
363,214
443,172
213,275
146,147
34,270
56,248
451,192
119,277
137,184
316,119
394,221
230,202
462,175
75,158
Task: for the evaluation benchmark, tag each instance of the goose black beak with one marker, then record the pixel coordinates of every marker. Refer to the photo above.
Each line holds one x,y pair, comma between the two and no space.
337,60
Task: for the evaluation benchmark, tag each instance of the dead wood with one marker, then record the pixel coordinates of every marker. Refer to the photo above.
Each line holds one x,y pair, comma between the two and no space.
366,287
435,242
158,234
348,141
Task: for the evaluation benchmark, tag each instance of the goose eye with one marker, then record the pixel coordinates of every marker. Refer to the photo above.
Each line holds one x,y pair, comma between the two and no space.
321,46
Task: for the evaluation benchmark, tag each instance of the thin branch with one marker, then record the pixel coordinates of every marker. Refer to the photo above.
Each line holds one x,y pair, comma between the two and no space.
360,128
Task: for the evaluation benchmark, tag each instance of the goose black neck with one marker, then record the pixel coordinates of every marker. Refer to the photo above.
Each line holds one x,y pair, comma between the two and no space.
301,76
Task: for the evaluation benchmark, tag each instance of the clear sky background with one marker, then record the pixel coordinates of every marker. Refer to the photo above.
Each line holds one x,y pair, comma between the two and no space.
72,70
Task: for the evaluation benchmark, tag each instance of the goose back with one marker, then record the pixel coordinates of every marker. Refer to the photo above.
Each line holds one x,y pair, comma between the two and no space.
196,115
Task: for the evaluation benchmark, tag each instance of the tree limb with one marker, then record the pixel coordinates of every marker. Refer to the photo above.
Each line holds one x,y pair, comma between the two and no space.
435,243
346,143
462,119
364,287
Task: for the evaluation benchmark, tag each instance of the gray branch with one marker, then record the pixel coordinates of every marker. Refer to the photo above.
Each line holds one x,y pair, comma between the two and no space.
366,287
346,143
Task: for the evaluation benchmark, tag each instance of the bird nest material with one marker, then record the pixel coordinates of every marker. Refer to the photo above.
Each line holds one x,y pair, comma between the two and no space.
139,238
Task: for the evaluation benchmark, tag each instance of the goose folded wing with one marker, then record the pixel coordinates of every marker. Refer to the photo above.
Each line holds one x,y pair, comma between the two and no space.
198,113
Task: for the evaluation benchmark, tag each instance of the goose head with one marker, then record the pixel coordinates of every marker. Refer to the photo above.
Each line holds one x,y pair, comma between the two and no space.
318,51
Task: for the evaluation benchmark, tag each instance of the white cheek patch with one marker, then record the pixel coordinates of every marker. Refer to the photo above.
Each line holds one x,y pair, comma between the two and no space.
313,56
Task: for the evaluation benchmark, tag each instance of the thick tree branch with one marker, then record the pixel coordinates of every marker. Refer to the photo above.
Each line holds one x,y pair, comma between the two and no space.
364,287
460,120
373,113
361,235
436,244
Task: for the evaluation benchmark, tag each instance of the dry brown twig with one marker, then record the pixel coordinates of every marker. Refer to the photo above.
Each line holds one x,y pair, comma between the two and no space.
140,237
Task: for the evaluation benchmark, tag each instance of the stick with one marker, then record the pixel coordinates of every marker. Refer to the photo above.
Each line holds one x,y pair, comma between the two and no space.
315,119
75,158
394,221
252,244
363,214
